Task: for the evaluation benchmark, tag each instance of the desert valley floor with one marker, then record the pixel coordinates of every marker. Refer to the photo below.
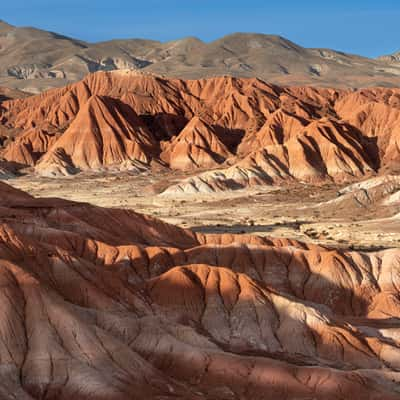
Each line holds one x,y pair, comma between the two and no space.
333,215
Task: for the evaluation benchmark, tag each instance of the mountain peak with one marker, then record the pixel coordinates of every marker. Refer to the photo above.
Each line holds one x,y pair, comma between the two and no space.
35,60
4,24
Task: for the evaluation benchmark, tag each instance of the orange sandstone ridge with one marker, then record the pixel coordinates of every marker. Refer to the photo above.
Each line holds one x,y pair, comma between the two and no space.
242,131
109,304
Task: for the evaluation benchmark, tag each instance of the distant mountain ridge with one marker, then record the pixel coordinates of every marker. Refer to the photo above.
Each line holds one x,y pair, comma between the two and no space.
394,58
35,60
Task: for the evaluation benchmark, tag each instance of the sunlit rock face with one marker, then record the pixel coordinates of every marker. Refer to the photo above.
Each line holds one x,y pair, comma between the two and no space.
228,133
106,303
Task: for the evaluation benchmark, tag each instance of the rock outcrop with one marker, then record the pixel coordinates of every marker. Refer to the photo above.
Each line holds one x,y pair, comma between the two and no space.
197,146
125,120
102,134
107,303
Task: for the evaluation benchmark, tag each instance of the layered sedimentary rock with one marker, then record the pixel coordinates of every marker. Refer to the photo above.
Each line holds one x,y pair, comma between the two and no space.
247,127
104,133
197,146
30,146
378,192
279,127
106,303
323,149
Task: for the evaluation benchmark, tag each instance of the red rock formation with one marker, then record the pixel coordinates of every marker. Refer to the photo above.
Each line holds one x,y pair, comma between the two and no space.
278,129
134,113
93,309
56,163
103,134
29,146
381,122
322,150
197,146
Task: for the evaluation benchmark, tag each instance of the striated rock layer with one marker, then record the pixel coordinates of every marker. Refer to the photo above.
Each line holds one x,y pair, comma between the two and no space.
197,146
244,128
109,304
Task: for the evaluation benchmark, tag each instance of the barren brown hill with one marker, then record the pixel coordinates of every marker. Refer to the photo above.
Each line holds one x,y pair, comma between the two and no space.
29,147
106,303
36,60
253,132
280,127
393,58
197,146
104,133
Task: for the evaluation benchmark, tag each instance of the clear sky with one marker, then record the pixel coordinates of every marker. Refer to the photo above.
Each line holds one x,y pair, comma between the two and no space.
367,27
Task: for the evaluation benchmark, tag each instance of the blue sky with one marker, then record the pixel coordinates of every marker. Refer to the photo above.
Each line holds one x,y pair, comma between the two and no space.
366,27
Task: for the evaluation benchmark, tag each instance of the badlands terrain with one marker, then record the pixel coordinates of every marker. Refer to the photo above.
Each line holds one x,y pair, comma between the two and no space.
263,159
228,133
105,303
219,238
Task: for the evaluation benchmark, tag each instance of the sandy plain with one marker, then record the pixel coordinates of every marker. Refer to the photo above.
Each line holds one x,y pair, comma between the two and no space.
304,212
